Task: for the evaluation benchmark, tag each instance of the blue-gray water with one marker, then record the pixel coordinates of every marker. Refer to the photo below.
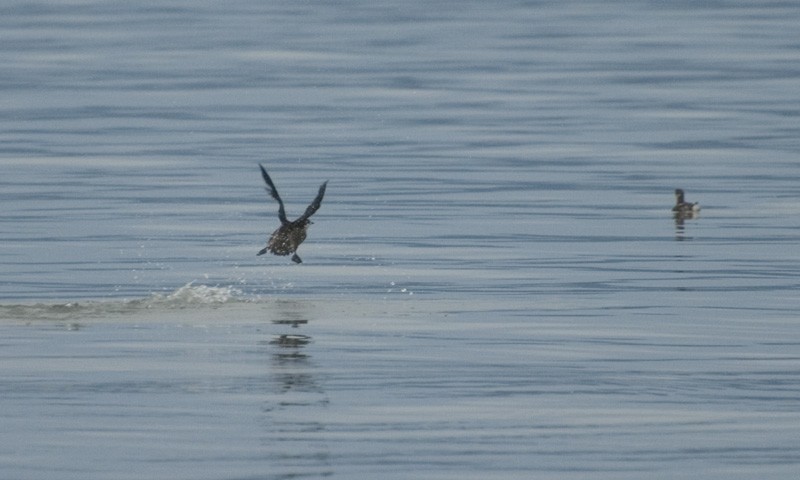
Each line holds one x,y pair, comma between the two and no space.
494,286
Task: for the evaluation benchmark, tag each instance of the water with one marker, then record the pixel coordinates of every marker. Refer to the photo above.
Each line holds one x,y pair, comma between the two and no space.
494,286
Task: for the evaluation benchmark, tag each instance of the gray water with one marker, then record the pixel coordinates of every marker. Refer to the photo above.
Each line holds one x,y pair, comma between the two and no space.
494,286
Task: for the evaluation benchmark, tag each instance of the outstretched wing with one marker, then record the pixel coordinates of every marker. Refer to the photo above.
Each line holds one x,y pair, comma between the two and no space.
274,193
316,203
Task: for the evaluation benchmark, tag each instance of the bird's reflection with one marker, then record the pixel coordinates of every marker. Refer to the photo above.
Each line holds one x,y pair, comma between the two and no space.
290,313
680,223
291,341
289,348
295,397
292,366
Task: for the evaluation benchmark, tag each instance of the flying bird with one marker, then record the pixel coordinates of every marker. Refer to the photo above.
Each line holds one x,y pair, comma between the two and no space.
289,236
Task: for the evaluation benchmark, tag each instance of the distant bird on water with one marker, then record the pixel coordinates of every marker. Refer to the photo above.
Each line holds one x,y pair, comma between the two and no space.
289,236
683,208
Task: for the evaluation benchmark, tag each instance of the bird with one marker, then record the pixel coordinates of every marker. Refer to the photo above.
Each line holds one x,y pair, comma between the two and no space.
683,208
289,236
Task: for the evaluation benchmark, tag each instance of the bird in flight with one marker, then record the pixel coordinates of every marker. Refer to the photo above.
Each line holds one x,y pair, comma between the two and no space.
289,236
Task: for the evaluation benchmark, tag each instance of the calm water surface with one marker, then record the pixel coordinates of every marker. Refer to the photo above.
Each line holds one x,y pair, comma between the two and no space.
494,286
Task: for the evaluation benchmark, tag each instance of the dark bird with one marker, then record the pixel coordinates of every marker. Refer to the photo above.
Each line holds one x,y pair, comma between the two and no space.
289,236
684,208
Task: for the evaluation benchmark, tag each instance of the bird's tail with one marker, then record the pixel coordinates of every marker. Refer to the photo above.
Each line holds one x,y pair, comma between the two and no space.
262,251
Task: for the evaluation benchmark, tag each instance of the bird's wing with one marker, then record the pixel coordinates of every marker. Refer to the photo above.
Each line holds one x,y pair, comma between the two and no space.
316,203
274,193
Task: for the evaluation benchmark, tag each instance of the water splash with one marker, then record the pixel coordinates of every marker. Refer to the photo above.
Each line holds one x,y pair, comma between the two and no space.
191,294
187,296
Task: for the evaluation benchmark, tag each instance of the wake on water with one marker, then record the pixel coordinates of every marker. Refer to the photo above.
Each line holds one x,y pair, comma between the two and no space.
187,296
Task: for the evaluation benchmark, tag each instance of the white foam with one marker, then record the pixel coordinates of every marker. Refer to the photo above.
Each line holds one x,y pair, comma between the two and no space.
187,296
191,294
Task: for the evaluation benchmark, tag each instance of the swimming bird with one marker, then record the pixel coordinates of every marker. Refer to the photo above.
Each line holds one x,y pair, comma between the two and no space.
289,236
683,208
